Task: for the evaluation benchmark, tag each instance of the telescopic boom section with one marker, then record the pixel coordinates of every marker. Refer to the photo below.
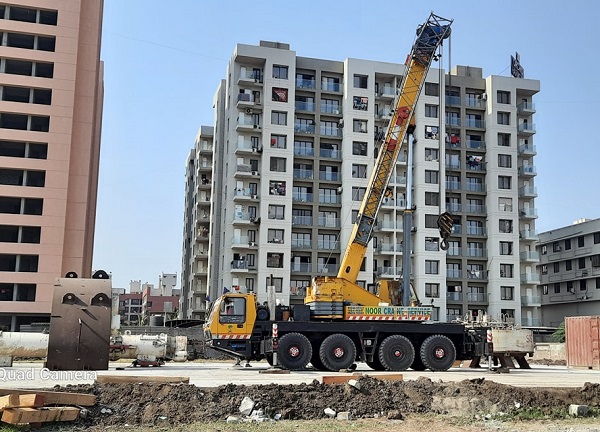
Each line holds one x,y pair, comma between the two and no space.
429,37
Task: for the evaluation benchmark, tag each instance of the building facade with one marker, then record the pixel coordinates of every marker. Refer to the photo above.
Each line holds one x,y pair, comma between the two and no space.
294,142
569,269
50,119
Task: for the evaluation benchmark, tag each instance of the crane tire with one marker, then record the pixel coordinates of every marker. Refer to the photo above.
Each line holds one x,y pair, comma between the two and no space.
337,352
396,353
295,351
438,353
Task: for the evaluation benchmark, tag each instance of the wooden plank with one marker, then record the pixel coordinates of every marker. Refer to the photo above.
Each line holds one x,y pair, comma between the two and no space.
42,415
115,379
388,376
56,398
21,400
337,379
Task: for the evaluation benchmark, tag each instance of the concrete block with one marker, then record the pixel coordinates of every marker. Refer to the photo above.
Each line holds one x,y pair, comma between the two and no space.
246,406
233,419
354,383
6,361
343,415
329,412
578,410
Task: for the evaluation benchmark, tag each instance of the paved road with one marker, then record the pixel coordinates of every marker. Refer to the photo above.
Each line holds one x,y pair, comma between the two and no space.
212,374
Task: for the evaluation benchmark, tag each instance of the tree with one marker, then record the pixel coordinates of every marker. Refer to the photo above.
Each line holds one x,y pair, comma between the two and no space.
559,334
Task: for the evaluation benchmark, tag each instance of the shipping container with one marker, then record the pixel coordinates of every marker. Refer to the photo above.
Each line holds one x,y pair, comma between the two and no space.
582,341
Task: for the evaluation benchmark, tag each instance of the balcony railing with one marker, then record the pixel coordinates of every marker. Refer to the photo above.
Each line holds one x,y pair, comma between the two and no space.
306,83
527,191
303,174
454,251
389,247
530,278
329,199
452,121
304,151
528,235
528,213
328,245
454,274
302,220
473,123
475,187
527,149
388,224
526,128
329,222
530,256
526,107
477,274
452,165
329,176
453,207
453,100
330,153
476,231
302,197
304,128
389,271
388,91
531,300
454,296
527,170
475,144
476,252
452,185
305,106
329,131
327,269
297,292
330,86
476,297
330,109
475,208
301,267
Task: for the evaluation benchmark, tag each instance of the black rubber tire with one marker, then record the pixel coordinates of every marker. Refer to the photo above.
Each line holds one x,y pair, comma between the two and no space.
337,352
438,353
396,353
269,358
295,351
375,364
417,364
262,314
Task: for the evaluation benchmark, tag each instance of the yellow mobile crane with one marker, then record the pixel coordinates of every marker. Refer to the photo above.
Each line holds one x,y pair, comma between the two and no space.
341,322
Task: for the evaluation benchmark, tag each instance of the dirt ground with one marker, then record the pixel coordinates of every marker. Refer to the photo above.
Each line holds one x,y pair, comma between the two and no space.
469,404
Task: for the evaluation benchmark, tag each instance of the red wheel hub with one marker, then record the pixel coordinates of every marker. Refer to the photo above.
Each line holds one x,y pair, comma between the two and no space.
294,351
440,353
398,353
339,352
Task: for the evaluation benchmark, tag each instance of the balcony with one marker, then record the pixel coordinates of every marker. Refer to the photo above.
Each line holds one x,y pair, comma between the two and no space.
250,77
531,301
454,296
475,144
302,220
453,207
242,241
388,225
475,102
329,222
526,129
454,251
241,264
329,131
475,187
387,92
454,274
327,108
528,213
301,243
475,123
476,252
245,170
329,199
205,167
481,275
455,165
305,106
247,147
309,84
302,197
456,229
330,176
390,247
330,154
476,231
453,100
327,269
527,150
398,180
245,193
301,267
297,292
201,271
304,151
528,235
528,192
474,297
389,271
245,100
526,108
530,278
527,171
383,114
328,245
530,256
475,209
475,165
243,217
452,185
452,121
247,124
531,322
330,86
303,173
301,128
205,148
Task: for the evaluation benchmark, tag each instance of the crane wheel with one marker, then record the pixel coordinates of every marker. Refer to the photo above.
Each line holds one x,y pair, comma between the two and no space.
438,353
294,351
396,353
337,352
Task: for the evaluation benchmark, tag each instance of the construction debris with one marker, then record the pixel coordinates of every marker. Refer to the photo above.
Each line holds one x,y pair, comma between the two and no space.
115,379
20,408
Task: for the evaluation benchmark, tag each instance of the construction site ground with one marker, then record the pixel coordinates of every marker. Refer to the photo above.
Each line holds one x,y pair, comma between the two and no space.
461,399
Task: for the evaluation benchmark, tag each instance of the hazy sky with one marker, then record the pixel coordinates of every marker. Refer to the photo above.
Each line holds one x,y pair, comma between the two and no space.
163,62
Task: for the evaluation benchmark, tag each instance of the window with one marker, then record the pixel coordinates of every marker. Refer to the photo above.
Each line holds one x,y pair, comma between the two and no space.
23,149
556,267
504,204
556,247
276,188
359,148
298,287
545,269
358,193
17,234
568,265
431,111
504,182
504,140
506,248
570,287
431,132
432,89
503,97
545,289
431,177
359,171
505,225
274,260
596,237
276,212
24,122
278,118
432,198
328,241
18,263
595,260
583,285
278,141
506,270
280,72
432,290
580,241
567,244
275,235
360,103
581,263
507,293
432,244
503,118
232,310
431,221
277,164
359,126
504,161
360,81
432,267
279,94
432,154
557,288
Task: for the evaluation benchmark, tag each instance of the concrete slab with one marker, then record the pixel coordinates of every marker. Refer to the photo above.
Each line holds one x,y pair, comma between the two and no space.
212,374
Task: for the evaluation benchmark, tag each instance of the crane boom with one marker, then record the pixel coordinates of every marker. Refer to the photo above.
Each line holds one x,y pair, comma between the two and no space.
327,295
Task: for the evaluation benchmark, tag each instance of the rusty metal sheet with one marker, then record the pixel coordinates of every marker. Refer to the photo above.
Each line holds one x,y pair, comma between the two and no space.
582,341
80,323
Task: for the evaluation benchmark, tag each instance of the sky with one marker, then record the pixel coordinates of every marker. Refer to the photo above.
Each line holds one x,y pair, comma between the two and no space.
164,60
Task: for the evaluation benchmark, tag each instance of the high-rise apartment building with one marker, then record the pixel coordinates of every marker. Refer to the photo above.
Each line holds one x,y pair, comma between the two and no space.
50,118
569,269
294,143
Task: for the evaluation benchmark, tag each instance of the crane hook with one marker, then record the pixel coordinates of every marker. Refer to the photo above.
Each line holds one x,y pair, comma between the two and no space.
444,244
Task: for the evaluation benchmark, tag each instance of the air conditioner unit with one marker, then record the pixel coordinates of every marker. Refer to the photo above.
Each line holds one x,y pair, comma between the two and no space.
341,123
256,126
254,196
249,110
251,243
252,219
254,172
340,189
483,96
